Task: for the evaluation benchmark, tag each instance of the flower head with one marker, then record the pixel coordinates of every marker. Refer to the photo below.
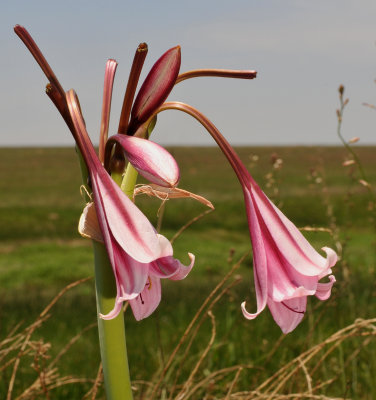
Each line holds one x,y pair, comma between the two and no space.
139,256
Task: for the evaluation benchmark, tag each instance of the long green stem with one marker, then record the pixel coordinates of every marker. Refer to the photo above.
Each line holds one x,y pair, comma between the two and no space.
129,181
112,340
111,332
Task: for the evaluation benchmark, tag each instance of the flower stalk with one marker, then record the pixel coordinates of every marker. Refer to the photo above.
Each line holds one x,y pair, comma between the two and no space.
111,333
112,337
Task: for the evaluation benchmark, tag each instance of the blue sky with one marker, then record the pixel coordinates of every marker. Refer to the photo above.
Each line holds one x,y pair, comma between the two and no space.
302,50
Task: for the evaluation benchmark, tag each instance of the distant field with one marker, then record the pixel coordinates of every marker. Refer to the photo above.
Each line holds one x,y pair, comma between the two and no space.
41,252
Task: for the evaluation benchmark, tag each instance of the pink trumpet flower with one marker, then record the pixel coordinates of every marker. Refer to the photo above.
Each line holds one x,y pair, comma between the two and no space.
139,256
287,268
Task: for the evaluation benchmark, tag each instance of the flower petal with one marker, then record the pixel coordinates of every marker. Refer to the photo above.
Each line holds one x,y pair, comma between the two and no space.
131,275
260,272
115,211
292,244
150,159
323,291
171,268
113,313
145,304
289,313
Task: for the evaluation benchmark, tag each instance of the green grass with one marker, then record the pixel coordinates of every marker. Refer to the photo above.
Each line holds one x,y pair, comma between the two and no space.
41,252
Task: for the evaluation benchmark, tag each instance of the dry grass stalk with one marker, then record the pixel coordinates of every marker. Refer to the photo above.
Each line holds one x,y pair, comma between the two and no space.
48,377
195,332
191,325
185,393
92,393
188,224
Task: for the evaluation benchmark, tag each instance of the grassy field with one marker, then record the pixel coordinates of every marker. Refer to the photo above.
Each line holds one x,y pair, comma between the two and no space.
41,252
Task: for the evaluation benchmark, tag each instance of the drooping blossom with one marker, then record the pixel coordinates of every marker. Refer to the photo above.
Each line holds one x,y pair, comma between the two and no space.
138,254
287,268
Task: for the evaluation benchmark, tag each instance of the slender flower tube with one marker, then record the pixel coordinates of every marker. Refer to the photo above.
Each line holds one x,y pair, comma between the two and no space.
287,268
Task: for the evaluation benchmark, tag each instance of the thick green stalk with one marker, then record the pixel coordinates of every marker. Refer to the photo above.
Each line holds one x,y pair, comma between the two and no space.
111,332
129,181
112,340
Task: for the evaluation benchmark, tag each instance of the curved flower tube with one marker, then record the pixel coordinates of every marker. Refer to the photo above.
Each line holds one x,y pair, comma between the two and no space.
287,268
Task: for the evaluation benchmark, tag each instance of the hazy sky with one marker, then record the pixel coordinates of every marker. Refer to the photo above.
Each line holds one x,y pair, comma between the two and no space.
302,51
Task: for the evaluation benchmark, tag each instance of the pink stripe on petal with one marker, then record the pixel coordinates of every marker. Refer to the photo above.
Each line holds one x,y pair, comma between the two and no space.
131,275
128,225
171,268
291,243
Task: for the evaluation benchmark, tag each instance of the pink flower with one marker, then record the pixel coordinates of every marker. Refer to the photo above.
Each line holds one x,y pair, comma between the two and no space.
286,267
139,256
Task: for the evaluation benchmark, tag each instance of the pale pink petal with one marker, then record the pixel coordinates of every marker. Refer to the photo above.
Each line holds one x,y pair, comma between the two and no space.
323,291
150,159
116,212
148,300
284,281
128,225
113,313
259,259
289,313
171,268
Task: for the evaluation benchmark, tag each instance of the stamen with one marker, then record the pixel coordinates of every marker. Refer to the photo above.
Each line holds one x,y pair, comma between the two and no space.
134,76
291,309
149,283
142,301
